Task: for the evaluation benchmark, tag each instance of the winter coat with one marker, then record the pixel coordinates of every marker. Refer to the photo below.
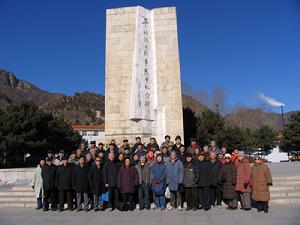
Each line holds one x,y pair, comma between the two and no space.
158,172
181,157
37,182
190,174
215,172
144,174
64,177
49,177
261,177
96,180
243,175
227,178
174,174
204,173
80,179
110,173
128,179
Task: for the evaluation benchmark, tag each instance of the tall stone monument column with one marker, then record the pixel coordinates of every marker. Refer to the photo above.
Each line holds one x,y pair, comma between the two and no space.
142,74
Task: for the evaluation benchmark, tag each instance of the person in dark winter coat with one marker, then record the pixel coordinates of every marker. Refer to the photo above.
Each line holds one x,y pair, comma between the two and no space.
153,144
215,189
128,180
96,184
227,178
49,178
177,144
110,175
158,177
181,154
165,154
143,169
81,184
204,182
64,184
174,180
190,183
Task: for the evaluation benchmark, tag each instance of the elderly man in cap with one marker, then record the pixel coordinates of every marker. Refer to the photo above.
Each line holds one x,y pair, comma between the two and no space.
124,145
243,180
49,178
64,184
261,180
190,183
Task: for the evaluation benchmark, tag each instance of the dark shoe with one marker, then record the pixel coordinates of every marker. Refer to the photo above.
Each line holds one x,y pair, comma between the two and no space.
194,209
60,210
96,209
101,209
200,208
45,209
141,209
86,209
53,209
188,209
247,209
78,209
148,208
38,208
233,208
207,209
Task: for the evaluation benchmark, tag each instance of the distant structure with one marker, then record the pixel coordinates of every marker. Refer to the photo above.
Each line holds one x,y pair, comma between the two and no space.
142,82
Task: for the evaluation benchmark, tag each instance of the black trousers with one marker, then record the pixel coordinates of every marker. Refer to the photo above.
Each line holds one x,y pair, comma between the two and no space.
127,203
215,195
191,194
49,194
114,201
204,197
262,206
65,194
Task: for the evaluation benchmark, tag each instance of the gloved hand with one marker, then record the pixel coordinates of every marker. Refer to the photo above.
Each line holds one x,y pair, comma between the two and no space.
32,187
245,185
269,184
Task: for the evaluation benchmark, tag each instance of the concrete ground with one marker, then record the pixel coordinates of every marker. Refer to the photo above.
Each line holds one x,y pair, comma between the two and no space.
287,215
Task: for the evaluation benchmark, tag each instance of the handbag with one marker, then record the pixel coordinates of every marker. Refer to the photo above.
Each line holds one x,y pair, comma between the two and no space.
167,193
105,196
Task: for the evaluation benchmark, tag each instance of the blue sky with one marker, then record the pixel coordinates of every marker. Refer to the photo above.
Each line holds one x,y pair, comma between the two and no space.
245,46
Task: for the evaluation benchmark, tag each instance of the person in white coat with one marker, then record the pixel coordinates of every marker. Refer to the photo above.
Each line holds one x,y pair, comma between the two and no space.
37,184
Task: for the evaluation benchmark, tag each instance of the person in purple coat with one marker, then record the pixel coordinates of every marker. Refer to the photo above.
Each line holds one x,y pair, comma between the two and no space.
128,180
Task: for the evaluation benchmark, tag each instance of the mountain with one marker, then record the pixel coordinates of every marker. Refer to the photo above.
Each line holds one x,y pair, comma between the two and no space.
88,108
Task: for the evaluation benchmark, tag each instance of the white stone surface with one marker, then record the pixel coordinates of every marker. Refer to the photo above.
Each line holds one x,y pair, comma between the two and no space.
140,103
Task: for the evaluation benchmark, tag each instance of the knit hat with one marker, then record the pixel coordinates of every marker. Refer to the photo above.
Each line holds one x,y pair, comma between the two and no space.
227,155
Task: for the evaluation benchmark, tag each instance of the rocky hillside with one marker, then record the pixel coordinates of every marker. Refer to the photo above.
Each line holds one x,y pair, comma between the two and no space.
88,108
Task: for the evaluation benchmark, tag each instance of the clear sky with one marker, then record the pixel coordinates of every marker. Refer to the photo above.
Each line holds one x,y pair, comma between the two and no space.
245,46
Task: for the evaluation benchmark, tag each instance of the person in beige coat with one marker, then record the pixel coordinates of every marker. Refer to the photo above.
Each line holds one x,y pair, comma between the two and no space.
261,180
37,184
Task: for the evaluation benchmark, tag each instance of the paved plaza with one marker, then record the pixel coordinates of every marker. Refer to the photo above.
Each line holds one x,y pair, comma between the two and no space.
281,215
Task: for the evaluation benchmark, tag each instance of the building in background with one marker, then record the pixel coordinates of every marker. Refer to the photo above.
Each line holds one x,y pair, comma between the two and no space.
91,132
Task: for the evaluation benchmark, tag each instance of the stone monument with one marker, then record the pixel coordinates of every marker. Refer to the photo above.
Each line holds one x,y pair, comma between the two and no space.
142,74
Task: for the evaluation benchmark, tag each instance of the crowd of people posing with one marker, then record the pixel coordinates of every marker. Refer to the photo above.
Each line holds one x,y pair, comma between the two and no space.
122,177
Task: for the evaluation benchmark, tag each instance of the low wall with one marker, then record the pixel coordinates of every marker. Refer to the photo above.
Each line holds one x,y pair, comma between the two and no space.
16,176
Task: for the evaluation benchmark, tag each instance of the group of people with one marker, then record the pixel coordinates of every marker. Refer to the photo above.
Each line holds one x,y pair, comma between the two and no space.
121,177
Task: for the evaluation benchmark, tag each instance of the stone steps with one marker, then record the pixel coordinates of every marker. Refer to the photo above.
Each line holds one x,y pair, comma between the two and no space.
286,190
